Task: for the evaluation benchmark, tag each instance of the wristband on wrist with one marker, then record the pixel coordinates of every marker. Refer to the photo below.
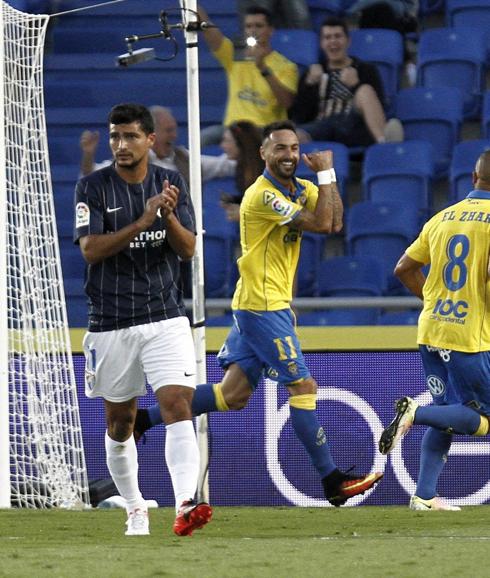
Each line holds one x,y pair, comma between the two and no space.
266,72
324,177
333,176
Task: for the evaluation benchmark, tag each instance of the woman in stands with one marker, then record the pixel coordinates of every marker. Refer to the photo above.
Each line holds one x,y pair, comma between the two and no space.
241,142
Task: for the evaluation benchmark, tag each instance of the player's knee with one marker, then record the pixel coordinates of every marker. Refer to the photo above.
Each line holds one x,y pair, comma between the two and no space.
121,428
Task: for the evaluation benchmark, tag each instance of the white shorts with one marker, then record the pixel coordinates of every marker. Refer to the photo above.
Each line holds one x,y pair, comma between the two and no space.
119,363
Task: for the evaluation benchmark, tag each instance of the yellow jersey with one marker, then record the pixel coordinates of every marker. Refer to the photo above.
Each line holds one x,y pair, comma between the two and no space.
270,243
250,96
456,243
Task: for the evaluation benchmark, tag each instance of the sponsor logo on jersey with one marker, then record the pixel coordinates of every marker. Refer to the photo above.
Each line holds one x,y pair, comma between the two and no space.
151,238
321,438
293,368
269,196
82,215
281,207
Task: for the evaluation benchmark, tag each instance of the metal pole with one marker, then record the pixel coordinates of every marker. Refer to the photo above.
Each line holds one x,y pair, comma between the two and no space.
4,341
198,304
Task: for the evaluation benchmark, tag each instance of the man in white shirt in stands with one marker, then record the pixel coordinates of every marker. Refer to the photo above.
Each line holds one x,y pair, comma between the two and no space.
165,152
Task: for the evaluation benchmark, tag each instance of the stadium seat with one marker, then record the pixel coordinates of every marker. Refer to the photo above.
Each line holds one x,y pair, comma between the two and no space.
435,115
383,230
409,317
322,9
454,57
65,174
299,46
213,189
76,302
465,155
351,276
338,317
309,262
340,161
427,7
384,48
225,320
219,252
470,13
64,150
400,172
485,116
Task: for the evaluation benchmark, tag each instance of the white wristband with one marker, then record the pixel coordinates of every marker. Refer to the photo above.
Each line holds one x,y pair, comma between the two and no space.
324,177
333,176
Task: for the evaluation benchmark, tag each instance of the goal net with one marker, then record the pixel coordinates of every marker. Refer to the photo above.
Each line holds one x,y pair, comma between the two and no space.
41,436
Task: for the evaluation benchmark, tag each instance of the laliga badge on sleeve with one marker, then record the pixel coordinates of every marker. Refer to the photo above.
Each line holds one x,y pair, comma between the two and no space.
82,215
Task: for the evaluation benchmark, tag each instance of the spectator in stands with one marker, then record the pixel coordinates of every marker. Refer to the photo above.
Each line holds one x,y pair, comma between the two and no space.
241,142
285,13
341,99
134,222
399,15
261,82
164,153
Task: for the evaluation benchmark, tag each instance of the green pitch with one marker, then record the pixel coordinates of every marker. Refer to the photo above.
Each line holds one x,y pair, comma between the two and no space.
249,542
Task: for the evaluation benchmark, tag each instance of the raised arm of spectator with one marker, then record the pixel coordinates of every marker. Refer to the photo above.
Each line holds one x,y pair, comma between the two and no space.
89,141
283,95
213,36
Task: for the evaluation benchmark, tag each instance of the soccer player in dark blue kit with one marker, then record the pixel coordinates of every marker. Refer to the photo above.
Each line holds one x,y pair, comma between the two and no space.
134,222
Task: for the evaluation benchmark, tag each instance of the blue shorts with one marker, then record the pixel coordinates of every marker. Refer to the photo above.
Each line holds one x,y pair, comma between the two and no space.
265,341
457,377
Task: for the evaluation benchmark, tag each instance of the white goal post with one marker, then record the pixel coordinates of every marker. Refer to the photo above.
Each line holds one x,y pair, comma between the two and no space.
42,463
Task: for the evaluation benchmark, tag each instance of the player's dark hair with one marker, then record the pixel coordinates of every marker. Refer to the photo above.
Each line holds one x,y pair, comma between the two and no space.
253,10
277,125
128,112
335,21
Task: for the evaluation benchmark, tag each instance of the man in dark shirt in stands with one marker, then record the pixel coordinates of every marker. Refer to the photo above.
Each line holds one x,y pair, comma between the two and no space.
341,99
134,222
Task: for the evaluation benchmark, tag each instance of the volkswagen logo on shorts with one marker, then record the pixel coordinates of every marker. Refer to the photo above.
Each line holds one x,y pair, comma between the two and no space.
436,385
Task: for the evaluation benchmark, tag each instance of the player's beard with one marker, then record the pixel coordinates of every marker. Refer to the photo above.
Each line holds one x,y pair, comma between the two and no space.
285,173
129,165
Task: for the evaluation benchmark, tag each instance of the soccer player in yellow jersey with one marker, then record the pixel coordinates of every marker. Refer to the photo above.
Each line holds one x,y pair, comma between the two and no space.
274,212
453,332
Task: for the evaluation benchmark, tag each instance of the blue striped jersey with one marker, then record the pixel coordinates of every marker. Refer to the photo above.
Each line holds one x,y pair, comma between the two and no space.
142,283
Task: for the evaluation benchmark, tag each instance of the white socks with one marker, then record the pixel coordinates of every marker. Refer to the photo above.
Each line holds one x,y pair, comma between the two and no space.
182,457
122,461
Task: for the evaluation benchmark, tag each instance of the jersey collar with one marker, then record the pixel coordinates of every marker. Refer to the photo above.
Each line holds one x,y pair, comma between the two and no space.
298,187
479,194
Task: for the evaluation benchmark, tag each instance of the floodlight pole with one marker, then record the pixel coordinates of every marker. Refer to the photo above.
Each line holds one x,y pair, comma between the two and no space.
189,10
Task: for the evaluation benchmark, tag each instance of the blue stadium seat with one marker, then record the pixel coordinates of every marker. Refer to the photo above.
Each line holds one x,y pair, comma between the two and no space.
400,172
213,189
322,9
65,174
485,116
64,150
299,46
470,13
340,161
384,48
219,252
384,230
427,7
339,317
309,262
225,320
408,317
351,276
465,155
434,115
76,302
454,57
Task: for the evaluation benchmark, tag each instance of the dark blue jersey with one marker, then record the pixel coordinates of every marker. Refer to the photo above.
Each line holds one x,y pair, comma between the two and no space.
141,284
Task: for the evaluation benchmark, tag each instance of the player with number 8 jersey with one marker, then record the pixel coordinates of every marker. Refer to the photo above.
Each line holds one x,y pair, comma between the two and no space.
453,333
